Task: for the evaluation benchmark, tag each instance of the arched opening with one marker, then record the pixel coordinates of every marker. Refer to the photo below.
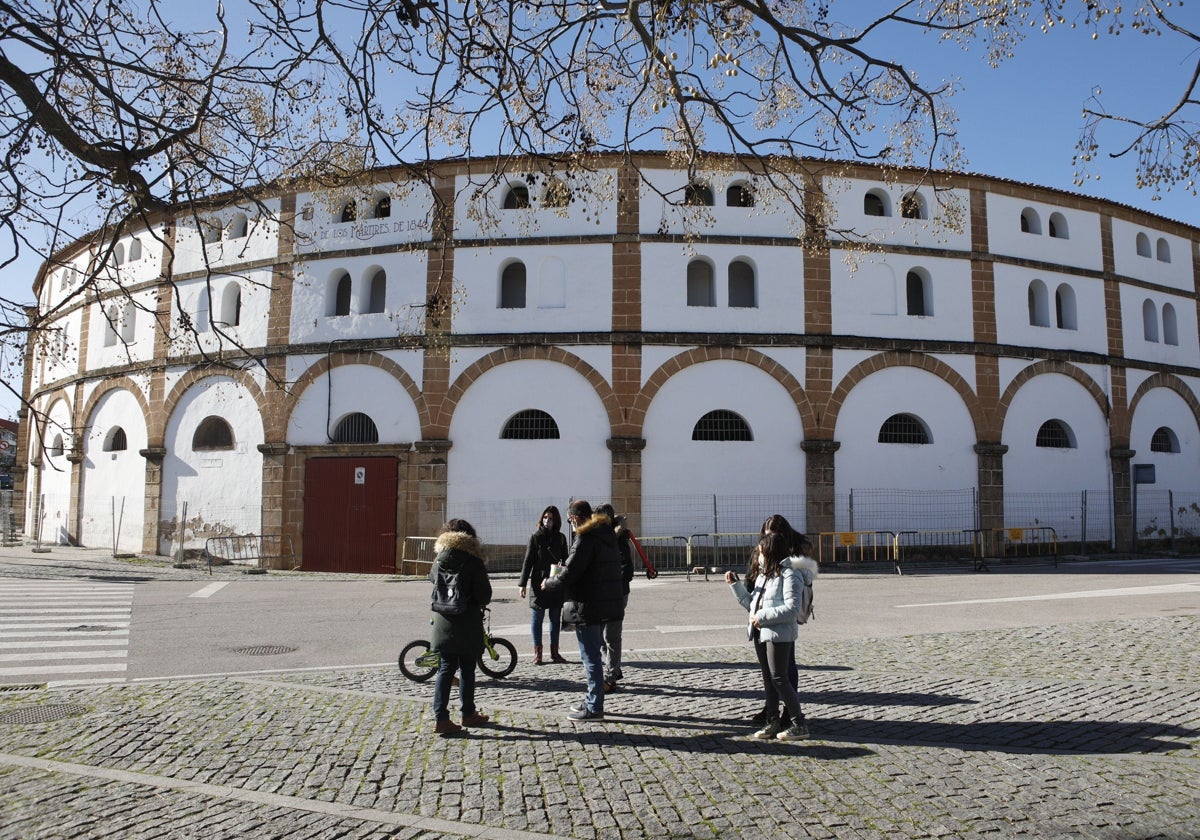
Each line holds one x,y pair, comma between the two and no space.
377,291
512,286
1164,440
904,428
231,305
1162,250
742,291
343,287
516,197
557,193
383,207
56,446
118,254
1055,434
876,203
530,424
698,195
356,428
1143,245
349,212
722,425
1064,307
135,249
1170,331
212,433
1031,222
1149,321
919,299
701,287
912,206
739,195
237,226
1039,304
1058,226
115,440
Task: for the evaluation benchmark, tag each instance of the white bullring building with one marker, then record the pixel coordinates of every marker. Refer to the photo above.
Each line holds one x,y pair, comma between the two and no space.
348,370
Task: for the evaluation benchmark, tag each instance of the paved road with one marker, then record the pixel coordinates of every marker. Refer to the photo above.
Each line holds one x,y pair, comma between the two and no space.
1055,705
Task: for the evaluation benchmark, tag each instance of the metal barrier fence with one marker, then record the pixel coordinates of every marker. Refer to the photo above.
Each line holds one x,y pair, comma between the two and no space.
666,554
260,551
852,548
416,555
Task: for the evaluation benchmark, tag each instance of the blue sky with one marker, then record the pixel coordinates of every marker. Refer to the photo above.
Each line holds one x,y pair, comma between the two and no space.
1019,121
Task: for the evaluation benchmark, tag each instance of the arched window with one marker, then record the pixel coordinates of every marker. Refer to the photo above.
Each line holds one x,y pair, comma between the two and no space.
339,301
1170,332
530,424
1055,434
1149,321
742,292
128,323
115,440
1143,245
1162,250
118,254
110,325
203,312
912,206
904,428
383,207
237,227
875,203
739,195
135,249
56,446
377,291
349,211
722,425
1039,304
920,301
1064,307
1164,440
212,433
356,428
210,231
557,193
698,195
1058,226
231,305
516,197
701,287
512,286
1031,222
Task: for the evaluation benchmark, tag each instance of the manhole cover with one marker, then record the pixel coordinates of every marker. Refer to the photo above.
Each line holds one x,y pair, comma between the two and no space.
42,714
264,650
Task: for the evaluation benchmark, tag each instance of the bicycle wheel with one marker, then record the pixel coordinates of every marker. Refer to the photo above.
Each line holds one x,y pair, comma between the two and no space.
415,661
505,661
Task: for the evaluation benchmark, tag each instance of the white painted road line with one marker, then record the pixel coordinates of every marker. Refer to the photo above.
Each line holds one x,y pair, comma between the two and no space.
1124,592
63,669
210,590
44,656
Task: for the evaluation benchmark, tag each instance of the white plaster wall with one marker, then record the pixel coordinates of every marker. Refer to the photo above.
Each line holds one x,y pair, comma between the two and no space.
110,478
314,292
862,463
1173,470
1177,274
56,350
663,191
319,228
871,300
779,289
946,227
201,298
56,478
1028,467
1081,248
480,214
141,348
568,289
482,467
844,361
1012,311
673,464
355,388
261,241
1186,353
223,488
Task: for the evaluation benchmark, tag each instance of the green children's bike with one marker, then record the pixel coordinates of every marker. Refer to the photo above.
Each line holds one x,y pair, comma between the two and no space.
499,658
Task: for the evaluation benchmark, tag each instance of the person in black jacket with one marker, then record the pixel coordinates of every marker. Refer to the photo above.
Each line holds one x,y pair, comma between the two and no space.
610,651
594,593
547,546
459,638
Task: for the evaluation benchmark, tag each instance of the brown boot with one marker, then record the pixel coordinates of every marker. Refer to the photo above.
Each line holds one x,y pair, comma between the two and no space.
447,728
475,719
554,655
537,655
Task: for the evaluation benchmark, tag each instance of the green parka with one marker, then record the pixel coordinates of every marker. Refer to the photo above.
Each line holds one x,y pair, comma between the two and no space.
461,635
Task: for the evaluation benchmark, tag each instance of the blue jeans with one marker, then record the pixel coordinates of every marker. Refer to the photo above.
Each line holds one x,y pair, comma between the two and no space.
591,637
535,626
444,681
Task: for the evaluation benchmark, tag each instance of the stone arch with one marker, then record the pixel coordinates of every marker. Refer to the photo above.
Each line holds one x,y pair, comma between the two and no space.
906,358
275,424
38,441
119,383
699,355
440,428
1159,380
1041,368
191,378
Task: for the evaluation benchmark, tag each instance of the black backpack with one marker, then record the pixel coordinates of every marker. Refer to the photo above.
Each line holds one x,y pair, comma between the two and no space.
448,597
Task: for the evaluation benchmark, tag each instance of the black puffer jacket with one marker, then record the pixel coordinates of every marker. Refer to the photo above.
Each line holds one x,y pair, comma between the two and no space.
461,635
592,577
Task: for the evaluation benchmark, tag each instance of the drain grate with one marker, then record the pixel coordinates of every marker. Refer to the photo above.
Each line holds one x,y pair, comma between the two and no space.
23,687
42,714
263,650
91,628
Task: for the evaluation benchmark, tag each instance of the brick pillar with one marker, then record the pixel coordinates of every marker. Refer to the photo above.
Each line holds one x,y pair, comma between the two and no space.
154,456
821,510
429,461
991,484
627,478
1122,497
274,473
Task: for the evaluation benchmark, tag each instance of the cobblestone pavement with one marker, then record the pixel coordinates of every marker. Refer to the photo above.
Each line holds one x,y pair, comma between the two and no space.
1082,730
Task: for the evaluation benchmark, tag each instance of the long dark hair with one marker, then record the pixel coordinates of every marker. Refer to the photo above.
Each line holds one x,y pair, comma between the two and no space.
776,523
555,515
773,549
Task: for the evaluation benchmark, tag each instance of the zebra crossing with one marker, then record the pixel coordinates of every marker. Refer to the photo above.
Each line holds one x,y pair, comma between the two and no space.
63,632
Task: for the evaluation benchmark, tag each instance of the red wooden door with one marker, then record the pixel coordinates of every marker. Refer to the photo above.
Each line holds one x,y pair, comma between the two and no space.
350,515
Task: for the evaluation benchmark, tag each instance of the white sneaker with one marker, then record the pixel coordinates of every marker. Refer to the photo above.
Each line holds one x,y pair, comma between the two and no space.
795,732
768,732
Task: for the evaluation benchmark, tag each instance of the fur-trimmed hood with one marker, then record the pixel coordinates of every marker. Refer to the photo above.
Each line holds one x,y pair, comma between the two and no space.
459,541
595,522
806,566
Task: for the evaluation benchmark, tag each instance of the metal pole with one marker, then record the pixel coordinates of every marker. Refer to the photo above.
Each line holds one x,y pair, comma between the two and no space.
1083,519
1171,512
1135,534
851,509
182,534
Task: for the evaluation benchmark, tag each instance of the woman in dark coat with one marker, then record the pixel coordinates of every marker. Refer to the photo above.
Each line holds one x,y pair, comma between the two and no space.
459,638
547,546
